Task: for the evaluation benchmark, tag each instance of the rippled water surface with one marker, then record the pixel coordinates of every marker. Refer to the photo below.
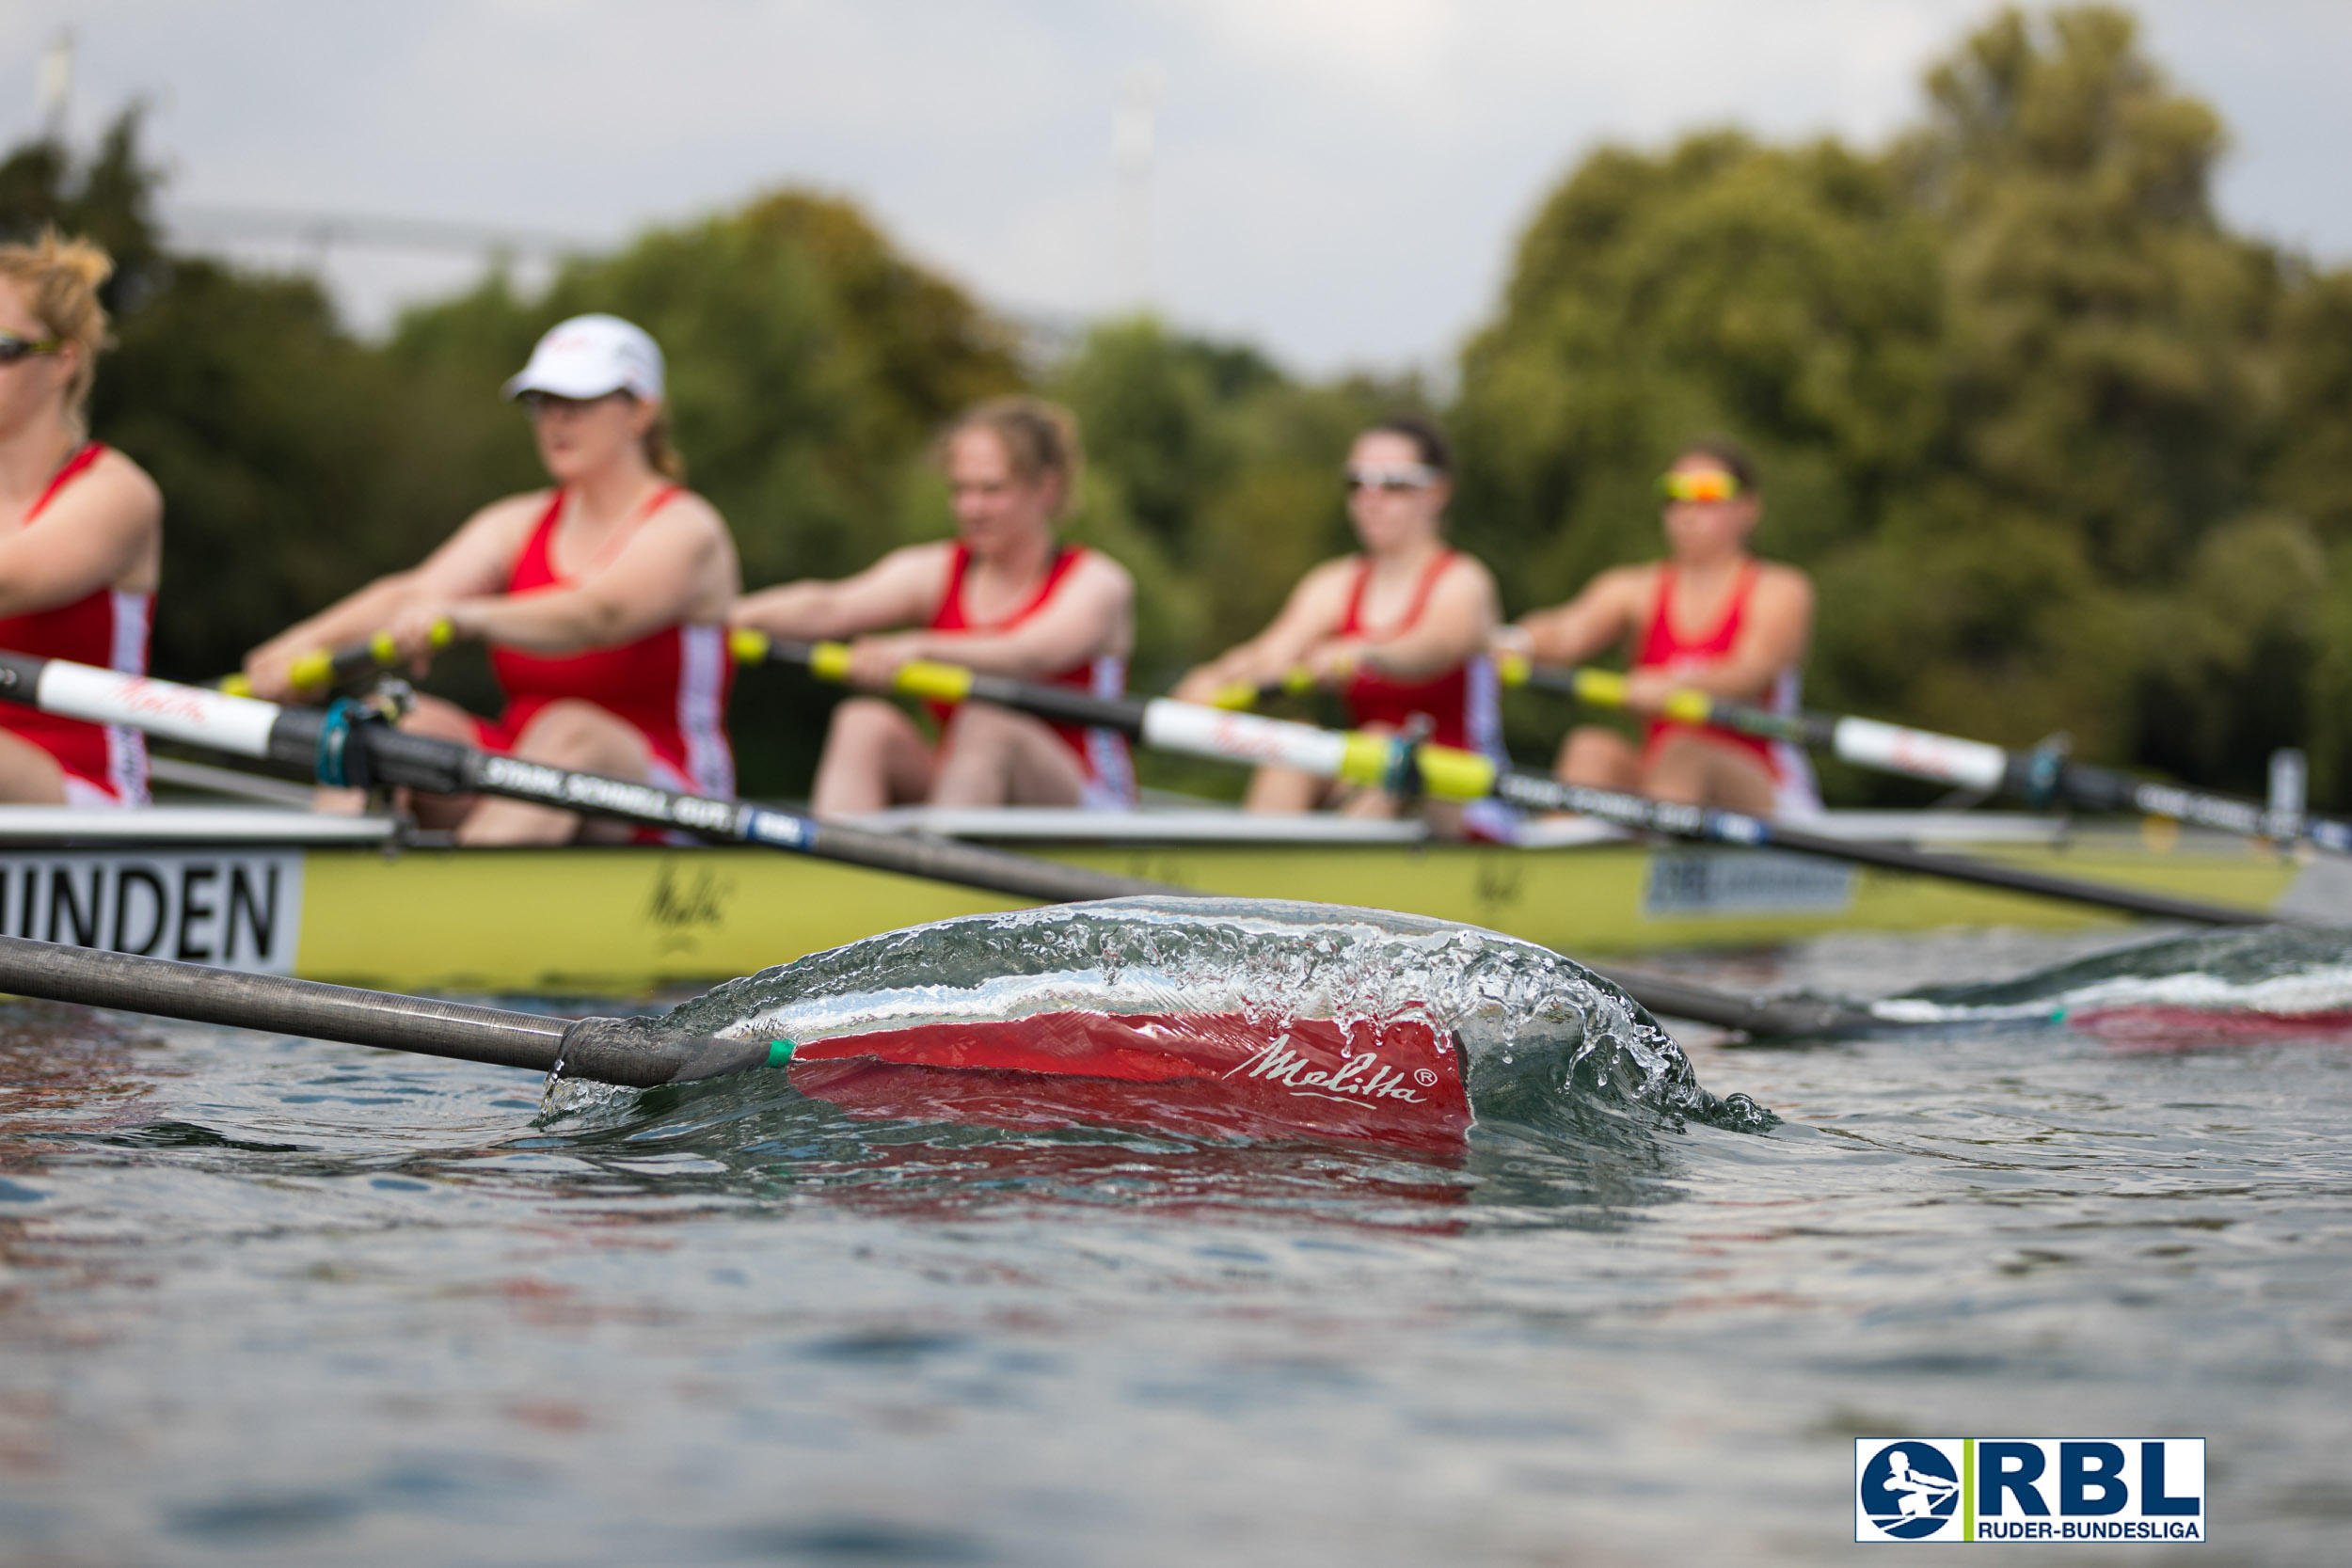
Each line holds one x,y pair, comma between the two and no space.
277,1302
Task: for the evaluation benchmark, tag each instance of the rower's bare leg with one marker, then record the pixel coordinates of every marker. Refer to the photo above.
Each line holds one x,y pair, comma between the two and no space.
874,757
28,775
1273,788
1691,770
567,734
993,757
1599,759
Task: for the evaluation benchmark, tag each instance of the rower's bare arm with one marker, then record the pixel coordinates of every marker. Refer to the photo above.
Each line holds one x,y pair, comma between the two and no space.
475,560
1091,614
678,568
102,532
1456,625
1772,638
1607,613
902,589
1312,613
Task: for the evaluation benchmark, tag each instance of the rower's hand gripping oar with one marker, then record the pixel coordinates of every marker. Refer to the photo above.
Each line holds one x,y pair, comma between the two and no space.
1449,773
325,671
347,745
2038,776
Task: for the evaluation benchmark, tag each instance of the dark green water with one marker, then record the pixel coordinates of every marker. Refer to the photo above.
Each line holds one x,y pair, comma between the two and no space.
274,1302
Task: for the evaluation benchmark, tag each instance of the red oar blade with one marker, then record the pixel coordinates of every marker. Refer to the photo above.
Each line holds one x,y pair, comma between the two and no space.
1395,1081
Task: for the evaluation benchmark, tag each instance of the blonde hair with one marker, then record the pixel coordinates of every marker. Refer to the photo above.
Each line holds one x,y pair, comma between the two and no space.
1039,438
60,279
662,456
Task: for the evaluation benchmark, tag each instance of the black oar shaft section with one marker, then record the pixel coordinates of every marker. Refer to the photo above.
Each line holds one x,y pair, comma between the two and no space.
608,1051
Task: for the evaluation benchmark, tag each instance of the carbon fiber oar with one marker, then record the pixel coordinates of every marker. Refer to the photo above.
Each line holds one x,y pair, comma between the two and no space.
628,1052
2037,777
344,745
1449,773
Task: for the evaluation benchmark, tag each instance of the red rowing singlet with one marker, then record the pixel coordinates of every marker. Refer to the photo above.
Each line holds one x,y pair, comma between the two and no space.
1464,704
1664,648
104,765
671,686
1102,758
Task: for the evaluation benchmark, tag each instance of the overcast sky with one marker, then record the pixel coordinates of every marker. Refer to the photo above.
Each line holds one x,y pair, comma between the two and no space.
1339,181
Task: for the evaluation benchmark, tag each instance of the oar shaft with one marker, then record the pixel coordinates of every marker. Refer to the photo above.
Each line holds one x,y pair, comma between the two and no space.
1451,773
608,1050
328,742
1951,760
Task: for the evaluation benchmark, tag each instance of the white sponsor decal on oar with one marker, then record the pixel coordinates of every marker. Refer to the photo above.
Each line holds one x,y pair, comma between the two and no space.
1868,743
215,718
1242,737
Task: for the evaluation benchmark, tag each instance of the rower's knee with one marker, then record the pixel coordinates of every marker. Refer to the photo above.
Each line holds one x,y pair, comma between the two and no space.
864,725
1597,757
570,733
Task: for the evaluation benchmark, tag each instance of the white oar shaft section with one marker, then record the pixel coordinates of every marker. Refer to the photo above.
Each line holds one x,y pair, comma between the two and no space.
1920,754
214,719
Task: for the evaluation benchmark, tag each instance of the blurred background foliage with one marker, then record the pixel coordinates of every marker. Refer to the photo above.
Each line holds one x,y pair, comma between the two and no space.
2063,452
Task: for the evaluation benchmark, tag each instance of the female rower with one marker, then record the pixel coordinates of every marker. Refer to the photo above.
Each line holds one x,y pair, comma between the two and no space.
82,542
603,598
1709,617
1003,597
1399,630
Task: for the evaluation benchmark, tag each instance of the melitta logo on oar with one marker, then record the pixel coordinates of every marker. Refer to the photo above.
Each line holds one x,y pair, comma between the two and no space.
2006,1489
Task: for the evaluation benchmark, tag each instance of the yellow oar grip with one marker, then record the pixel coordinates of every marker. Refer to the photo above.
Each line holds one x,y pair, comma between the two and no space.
1600,688
386,652
1235,697
829,662
236,686
747,645
1513,669
312,669
1299,680
940,683
1687,707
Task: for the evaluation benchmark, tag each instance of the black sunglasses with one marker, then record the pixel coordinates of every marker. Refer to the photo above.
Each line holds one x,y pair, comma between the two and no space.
14,348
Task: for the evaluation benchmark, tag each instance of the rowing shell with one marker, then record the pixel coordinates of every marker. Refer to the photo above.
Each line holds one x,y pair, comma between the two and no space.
344,899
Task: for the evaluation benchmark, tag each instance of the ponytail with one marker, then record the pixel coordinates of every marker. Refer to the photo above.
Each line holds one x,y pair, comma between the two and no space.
60,279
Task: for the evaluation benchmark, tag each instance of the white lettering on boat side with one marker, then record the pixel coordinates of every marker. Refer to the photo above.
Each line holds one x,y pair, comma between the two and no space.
1359,1077
231,908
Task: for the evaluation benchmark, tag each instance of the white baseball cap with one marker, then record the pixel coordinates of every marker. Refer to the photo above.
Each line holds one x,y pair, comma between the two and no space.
588,356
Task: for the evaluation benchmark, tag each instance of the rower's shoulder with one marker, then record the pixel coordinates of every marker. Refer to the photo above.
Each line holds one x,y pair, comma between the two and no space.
1093,564
115,479
1783,581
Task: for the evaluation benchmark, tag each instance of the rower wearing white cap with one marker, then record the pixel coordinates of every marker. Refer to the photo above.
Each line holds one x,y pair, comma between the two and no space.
602,598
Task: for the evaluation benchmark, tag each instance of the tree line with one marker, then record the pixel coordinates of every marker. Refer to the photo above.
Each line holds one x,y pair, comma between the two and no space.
2063,452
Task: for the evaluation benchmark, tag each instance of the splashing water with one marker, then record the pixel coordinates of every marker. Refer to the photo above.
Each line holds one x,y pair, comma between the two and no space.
1219,1016
2214,987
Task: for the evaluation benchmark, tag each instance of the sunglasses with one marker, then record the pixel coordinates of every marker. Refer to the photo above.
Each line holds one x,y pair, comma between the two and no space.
1698,484
1409,476
14,348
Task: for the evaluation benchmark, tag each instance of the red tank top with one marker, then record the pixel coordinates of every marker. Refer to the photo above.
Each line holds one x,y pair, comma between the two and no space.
1664,648
104,764
1462,703
1101,754
672,686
